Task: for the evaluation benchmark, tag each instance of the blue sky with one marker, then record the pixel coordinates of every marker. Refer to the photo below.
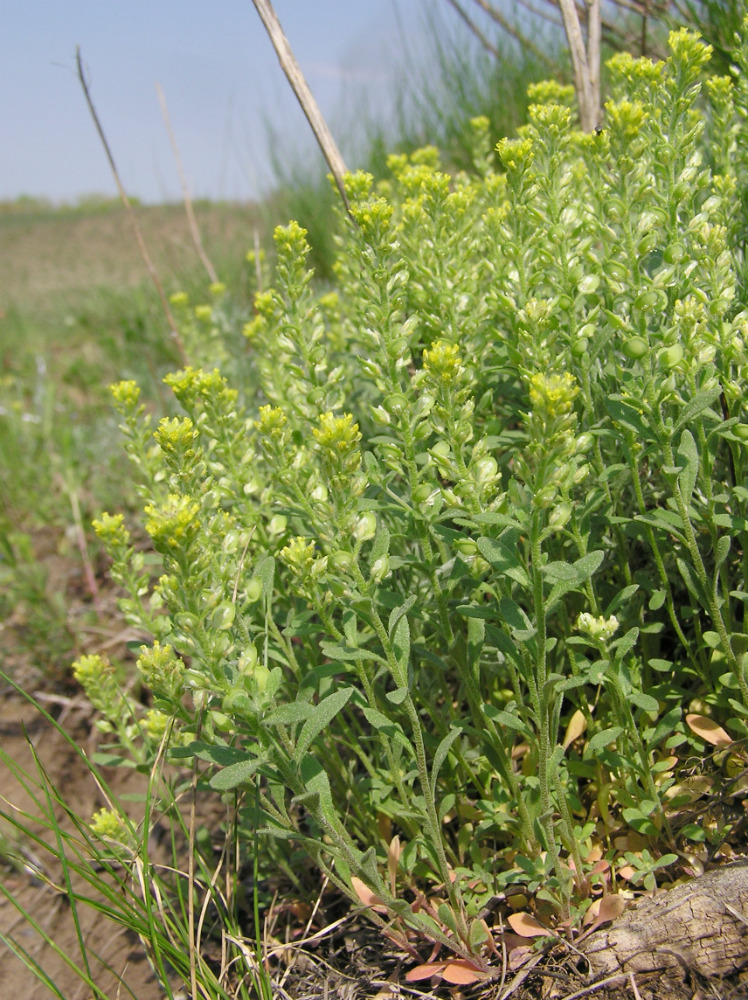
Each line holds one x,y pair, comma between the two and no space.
219,74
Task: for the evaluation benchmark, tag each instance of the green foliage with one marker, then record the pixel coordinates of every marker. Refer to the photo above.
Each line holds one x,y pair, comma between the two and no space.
450,560
445,78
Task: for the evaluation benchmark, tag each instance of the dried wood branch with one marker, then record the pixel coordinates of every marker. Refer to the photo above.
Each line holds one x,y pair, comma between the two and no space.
487,45
510,29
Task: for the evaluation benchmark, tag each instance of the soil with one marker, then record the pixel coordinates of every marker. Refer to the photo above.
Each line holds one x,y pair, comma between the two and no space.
21,727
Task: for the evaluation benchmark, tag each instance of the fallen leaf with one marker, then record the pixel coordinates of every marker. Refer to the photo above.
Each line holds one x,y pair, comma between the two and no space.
425,971
526,925
708,730
364,893
519,956
393,857
577,725
611,906
462,973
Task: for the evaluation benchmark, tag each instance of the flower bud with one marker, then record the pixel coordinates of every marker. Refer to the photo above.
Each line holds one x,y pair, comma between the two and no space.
366,527
559,516
380,569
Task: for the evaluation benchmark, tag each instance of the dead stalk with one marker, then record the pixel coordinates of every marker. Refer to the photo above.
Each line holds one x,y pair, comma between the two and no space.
304,95
130,213
191,220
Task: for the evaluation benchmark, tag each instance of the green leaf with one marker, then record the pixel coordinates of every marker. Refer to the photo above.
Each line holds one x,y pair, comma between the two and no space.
688,459
496,552
692,831
624,413
626,643
397,613
657,599
496,637
317,784
441,755
477,611
605,738
666,726
289,715
721,550
505,718
644,701
347,653
447,917
491,517
222,755
381,545
321,717
235,774
572,576
379,721
401,648
621,597
398,696
265,571
696,405
556,572
588,564
639,822
513,615
692,583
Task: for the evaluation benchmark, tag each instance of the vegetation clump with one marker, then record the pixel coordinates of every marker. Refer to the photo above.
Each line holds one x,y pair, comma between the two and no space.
451,587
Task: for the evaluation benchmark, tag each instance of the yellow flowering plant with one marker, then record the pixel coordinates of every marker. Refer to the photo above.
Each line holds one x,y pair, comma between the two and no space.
489,491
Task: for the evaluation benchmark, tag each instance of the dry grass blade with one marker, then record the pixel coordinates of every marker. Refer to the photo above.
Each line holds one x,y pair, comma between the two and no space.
602,983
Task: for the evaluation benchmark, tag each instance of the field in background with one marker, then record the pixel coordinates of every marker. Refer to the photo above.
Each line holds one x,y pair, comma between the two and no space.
77,312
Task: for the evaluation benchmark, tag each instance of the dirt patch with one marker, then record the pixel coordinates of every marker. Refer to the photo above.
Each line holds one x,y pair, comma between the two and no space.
35,882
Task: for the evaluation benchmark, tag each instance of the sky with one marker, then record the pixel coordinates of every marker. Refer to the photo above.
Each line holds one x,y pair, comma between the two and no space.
219,75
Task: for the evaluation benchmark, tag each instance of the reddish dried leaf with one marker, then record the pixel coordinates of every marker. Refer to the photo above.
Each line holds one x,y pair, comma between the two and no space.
519,956
611,906
526,925
364,893
425,971
462,973
708,730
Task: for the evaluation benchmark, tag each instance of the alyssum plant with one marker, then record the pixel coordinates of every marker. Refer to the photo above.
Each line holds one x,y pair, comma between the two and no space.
439,581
